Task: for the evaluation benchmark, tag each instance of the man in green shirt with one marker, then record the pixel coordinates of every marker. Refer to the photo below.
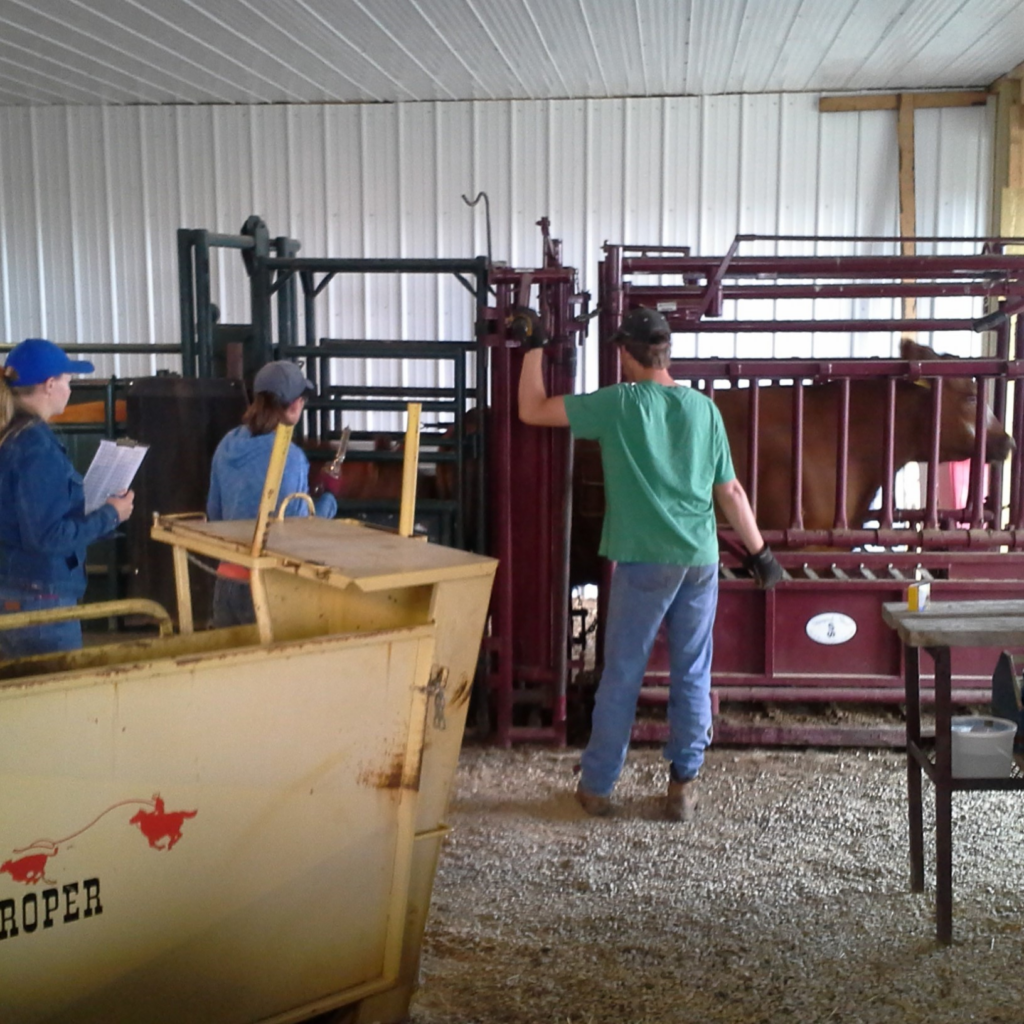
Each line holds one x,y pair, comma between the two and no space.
666,462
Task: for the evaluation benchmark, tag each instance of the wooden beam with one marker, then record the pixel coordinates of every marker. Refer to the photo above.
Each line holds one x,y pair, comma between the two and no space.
1013,75
891,100
410,471
1008,158
908,199
271,485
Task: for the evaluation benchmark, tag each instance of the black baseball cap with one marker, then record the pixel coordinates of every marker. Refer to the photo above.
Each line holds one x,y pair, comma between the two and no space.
641,324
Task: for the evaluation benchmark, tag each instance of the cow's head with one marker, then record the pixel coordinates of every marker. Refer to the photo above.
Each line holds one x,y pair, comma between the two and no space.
959,414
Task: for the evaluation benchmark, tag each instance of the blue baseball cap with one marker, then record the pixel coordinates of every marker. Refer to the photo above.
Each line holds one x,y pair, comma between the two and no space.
36,360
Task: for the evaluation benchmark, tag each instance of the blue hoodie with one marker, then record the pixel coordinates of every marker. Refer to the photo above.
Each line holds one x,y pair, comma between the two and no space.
238,472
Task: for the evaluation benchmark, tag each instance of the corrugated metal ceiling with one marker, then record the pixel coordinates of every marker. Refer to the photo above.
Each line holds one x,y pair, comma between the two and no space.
357,51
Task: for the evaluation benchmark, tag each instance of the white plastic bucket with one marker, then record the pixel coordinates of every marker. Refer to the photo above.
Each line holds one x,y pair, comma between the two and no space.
982,747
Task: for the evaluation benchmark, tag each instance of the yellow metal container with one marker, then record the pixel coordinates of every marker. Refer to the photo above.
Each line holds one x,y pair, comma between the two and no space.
240,825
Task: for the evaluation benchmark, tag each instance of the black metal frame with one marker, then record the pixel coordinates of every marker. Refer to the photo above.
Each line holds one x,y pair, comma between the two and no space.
274,267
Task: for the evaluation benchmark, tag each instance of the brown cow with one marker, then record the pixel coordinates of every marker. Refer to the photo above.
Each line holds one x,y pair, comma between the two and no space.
368,480
821,415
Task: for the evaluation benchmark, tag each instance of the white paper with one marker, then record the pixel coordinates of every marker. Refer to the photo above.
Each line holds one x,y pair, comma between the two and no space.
112,471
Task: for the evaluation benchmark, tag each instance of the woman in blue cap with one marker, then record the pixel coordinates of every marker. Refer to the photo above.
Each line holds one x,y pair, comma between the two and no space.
44,529
240,467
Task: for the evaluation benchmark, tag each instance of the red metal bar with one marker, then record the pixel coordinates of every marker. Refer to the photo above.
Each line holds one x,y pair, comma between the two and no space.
753,442
770,624
889,268
501,467
986,564
931,537
610,271
547,275
993,242
995,470
709,299
644,295
1016,474
842,453
932,503
890,692
978,467
727,733
834,369
683,324
889,454
796,508
563,359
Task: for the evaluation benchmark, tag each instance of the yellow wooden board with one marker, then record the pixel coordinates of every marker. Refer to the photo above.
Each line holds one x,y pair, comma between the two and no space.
336,552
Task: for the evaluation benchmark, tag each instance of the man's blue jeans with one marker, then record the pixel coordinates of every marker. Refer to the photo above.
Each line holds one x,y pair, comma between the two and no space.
642,595
42,639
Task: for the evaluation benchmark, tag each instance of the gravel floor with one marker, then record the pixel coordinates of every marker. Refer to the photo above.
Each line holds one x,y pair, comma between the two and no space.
788,900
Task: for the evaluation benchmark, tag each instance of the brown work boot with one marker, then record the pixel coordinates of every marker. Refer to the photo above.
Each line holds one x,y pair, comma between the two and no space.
681,801
598,806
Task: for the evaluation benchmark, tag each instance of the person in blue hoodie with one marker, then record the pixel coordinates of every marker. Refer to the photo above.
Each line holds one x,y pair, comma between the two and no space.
240,467
44,528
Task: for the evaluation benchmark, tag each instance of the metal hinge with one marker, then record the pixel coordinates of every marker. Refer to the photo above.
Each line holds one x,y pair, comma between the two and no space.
435,689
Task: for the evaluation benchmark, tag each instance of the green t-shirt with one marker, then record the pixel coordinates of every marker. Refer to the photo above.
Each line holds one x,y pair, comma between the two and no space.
662,449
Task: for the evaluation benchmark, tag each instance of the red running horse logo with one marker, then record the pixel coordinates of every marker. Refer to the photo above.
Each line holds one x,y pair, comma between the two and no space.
30,869
162,828
157,825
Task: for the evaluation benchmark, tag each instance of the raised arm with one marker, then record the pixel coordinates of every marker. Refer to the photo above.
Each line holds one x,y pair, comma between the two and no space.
535,407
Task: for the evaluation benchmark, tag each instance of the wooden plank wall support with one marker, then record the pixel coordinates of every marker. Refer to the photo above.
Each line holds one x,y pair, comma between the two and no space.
891,101
1008,160
908,197
1007,217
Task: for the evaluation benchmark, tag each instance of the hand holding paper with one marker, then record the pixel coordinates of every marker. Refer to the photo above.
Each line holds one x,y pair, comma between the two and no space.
111,473
123,504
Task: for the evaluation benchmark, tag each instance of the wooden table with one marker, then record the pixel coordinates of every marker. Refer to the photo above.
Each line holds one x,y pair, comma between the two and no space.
941,626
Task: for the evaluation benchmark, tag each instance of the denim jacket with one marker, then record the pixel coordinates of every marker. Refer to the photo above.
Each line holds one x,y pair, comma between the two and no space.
44,530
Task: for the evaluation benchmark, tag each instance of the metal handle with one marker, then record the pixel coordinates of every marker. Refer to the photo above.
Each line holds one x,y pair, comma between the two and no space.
99,610
301,495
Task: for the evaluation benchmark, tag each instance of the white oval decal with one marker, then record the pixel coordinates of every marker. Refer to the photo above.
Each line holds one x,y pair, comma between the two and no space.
831,628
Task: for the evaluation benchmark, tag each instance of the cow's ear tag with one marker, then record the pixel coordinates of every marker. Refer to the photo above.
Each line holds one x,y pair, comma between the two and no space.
923,384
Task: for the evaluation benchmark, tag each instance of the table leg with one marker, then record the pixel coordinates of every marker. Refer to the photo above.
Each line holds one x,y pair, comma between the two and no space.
943,798
912,678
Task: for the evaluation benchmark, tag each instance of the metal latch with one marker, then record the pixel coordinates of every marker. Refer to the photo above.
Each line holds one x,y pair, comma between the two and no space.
435,689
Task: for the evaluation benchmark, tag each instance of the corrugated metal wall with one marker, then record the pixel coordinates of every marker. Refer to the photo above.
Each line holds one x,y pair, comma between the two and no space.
90,199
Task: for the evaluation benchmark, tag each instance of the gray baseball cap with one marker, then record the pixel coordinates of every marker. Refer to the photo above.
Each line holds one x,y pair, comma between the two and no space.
284,380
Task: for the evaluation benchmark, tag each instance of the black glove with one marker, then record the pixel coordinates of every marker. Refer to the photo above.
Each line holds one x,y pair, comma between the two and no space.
525,325
764,568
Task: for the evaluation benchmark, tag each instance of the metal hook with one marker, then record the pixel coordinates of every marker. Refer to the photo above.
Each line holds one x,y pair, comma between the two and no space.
487,213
